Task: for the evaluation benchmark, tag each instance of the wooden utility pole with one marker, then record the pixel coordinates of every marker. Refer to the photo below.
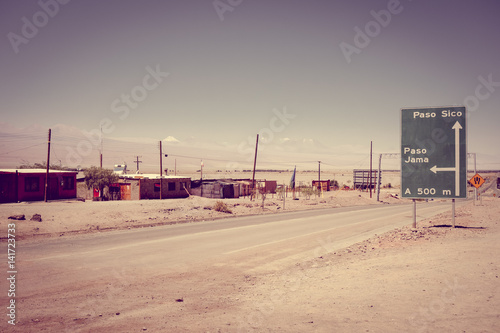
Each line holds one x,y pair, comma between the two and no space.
48,164
161,172
319,176
137,161
254,164
100,150
371,147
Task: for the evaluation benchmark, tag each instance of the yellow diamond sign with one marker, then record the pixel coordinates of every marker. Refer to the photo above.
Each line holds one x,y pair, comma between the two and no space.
476,180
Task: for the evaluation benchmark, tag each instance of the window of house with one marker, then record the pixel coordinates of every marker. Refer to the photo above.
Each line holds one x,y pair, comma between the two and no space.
68,183
157,187
32,184
171,186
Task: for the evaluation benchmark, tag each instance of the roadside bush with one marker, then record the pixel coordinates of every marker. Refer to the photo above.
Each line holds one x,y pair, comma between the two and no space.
220,206
307,191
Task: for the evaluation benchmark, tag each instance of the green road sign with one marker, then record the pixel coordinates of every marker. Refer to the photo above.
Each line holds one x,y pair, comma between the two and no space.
433,153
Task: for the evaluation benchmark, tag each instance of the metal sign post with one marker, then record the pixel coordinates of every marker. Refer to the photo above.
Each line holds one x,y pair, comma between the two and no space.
414,224
453,212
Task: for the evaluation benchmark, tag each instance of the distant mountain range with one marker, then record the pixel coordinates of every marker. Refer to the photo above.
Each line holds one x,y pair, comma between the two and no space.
73,147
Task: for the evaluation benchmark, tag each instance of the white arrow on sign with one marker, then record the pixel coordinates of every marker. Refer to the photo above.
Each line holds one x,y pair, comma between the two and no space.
457,127
435,169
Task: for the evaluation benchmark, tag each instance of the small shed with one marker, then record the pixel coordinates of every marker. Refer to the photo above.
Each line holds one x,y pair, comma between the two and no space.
148,186
270,186
218,189
231,188
29,185
325,184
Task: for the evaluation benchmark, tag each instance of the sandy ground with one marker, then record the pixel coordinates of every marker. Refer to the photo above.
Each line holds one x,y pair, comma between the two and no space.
431,279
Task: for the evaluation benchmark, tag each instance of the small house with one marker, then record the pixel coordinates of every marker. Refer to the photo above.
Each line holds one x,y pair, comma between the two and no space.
29,185
148,186
143,187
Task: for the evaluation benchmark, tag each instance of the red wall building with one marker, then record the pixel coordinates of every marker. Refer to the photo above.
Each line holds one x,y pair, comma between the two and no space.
29,185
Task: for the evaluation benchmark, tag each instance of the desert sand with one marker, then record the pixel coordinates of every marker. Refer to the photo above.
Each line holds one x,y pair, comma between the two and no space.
430,279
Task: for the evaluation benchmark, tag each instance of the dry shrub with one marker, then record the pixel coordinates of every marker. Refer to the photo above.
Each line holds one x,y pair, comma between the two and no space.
220,206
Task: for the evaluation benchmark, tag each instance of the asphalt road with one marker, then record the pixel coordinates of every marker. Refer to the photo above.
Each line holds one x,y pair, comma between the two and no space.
60,263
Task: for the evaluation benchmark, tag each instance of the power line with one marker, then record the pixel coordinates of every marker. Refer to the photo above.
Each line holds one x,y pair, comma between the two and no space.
114,148
12,151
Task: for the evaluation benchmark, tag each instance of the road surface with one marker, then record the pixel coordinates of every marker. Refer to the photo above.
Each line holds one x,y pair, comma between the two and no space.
250,242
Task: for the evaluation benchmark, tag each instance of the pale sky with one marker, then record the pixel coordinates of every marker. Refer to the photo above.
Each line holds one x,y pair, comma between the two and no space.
318,79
